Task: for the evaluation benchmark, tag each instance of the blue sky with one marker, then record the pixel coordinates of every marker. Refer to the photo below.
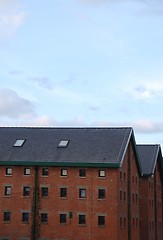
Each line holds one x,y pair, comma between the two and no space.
83,63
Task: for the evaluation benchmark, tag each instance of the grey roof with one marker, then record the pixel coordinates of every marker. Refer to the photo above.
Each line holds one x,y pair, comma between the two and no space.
148,156
86,145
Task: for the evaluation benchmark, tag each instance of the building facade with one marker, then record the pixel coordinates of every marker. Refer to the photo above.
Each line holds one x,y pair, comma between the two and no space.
70,184
151,215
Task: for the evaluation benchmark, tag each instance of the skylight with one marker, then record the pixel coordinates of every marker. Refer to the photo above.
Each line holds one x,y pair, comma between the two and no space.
63,143
19,142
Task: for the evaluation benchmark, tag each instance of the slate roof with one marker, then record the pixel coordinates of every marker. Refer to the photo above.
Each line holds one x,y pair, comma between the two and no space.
104,146
148,157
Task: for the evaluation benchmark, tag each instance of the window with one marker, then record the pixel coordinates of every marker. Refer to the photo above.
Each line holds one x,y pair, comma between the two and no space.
82,172
9,171
26,191
82,219
124,196
101,173
82,193
45,171
44,217
120,221
133,197
25,217
101,220
101,193
63,143
62,218
8,191
27,171
44,191
19,143
7,216
124,176
63,192
63,172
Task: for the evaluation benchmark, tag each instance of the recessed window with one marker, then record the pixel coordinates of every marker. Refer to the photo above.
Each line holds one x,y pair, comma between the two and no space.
82,219
25,217
8,171
82,172
101,173
44,217
63,218
27,171
101,220
45,171
124,196
7,216
82,193
8,191
63,192
44,191
26,191
19,142
101,193
63,143
63,172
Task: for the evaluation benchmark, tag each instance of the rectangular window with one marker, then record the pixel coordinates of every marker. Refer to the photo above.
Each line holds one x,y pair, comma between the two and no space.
8,191
63,172
44,217
124,196
101,173
63,192
101,193
9,171
25,217
82,219
63,218
101,220
44,191
45,171
27,171
7,216
82,193
26,191
82,172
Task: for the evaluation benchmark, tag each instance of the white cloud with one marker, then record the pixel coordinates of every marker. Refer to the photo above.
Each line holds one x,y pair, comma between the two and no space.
14,106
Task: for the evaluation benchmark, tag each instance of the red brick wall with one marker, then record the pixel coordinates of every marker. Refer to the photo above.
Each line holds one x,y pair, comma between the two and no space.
53,204
129,201
16,203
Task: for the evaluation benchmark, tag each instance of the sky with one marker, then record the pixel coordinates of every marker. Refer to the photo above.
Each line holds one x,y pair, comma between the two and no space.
83,63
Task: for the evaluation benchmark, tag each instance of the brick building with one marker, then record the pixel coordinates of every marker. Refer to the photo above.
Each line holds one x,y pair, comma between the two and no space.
151,225
69,184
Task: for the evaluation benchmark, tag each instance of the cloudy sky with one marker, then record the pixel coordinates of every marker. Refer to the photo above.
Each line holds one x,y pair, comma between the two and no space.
83,63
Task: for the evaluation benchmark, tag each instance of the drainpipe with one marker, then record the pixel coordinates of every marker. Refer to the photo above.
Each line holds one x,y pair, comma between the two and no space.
35,206
129,194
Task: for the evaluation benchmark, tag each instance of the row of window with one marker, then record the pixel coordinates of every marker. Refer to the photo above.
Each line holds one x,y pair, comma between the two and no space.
63,192
123,222
123,177
123,197
64,172
63,218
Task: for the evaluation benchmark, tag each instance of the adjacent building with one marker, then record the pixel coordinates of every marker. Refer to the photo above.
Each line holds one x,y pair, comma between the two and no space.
151,215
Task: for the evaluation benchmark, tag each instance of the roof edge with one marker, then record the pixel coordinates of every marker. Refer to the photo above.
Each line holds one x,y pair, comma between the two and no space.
60,164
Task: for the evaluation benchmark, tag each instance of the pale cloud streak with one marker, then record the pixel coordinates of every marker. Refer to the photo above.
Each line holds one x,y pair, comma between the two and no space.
12,16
